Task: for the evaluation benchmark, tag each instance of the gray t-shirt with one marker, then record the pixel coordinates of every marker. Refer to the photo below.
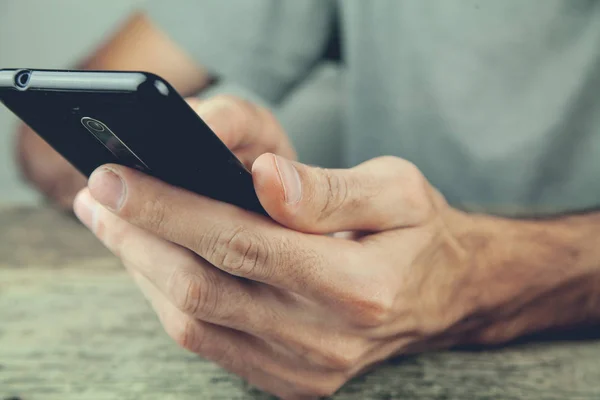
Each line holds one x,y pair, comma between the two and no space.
497,102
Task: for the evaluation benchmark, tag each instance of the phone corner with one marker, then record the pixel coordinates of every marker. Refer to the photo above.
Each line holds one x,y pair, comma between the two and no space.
156,84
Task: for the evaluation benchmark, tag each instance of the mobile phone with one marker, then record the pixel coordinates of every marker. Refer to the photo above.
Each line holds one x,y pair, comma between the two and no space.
135,119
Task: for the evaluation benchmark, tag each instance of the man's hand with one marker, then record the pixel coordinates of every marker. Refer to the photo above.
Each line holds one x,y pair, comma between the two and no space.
297,312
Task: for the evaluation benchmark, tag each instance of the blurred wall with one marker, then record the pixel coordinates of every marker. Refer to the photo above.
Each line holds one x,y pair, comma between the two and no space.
46,34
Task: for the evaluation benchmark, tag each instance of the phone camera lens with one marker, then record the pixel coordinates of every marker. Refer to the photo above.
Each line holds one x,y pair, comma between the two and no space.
22,79
95,125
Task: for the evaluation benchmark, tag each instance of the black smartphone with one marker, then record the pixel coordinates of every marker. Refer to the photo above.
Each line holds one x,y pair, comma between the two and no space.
134,119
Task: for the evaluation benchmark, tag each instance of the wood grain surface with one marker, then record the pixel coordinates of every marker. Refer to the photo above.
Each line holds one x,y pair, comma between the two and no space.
73,326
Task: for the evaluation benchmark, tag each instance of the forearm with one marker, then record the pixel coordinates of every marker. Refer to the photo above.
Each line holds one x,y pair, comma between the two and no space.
545,274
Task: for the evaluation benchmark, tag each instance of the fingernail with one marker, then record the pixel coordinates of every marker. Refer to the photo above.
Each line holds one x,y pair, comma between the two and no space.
290,180
84,207
107,188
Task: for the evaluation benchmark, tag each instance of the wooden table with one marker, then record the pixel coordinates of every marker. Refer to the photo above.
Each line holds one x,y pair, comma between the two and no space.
73,326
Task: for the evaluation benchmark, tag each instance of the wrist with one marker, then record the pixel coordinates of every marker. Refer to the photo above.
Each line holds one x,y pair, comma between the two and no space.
532,275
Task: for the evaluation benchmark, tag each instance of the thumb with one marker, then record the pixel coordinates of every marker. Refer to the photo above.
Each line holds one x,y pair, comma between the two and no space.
380,194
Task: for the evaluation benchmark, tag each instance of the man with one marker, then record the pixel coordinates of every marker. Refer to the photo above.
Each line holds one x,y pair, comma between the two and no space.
486,113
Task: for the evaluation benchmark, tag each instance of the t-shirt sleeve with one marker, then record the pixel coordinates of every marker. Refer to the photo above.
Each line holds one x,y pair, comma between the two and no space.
264,46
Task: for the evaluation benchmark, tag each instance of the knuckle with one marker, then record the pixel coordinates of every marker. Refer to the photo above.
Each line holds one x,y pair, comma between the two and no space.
405,172
154,213
241,252
340,357
186,334
192,294
398,169
192,299
337,189
370,308
371,314
334,352
412,187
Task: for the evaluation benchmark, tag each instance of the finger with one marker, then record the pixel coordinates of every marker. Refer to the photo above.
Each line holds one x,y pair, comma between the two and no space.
187,281
238,352
236,241
230,349
211,341
383,193
247,129
202,291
